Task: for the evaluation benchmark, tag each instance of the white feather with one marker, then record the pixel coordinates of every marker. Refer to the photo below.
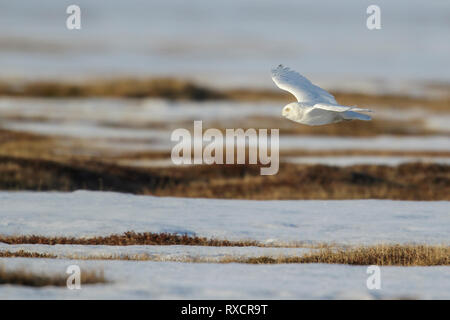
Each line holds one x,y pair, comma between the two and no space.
300,87
315,106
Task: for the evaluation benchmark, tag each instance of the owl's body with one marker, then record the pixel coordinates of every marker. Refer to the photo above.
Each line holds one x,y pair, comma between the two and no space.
315,106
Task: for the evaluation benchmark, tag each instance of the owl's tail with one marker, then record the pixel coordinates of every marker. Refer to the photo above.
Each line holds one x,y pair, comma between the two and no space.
352,115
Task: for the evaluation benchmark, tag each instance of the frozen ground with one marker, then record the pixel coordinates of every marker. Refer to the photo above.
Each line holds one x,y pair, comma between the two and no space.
149,112
154,139
174,280
86,213
124,125
160,253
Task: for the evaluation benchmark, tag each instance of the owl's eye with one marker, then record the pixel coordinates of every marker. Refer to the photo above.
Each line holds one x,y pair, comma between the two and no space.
288,109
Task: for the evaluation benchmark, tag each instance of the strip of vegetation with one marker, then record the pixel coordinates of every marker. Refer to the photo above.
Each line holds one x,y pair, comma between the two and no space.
380,255
411,181
168,88
23,277
127,239
25,254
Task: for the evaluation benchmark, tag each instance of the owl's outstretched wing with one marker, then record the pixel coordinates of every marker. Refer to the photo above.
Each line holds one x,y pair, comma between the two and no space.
300,87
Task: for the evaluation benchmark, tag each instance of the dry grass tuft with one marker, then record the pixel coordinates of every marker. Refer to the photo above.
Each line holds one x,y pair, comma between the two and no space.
25,254
31,279
381,255
127,239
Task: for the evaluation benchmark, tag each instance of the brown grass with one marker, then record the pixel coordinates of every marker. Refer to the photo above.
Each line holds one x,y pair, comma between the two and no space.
381,255
412,181
25,254
23,277
127,239
33,162
29,145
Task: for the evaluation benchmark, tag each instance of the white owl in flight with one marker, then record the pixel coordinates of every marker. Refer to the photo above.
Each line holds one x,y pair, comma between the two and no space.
315,106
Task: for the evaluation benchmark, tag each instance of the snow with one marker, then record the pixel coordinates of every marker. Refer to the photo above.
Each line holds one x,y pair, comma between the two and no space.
131,111
174,280
88,213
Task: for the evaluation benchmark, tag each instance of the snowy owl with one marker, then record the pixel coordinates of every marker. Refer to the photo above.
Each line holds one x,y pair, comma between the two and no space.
315,106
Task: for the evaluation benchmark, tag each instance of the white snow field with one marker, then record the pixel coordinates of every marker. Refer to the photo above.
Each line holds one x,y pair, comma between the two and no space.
159,139
88,213
149,111
174,280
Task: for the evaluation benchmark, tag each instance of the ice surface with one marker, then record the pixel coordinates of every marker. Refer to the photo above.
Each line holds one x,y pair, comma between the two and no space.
154,252
87,213
174,280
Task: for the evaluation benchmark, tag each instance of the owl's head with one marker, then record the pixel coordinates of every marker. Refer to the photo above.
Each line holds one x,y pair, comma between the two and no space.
292,111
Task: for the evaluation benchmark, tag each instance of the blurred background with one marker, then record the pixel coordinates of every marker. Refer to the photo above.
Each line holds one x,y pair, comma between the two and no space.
229,42
94,108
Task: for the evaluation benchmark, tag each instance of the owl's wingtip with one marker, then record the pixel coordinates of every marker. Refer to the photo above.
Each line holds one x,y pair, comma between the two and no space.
278,69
